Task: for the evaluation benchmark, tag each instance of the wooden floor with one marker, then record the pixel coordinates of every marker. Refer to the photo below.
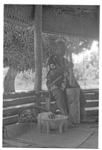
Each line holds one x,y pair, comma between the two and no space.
87,132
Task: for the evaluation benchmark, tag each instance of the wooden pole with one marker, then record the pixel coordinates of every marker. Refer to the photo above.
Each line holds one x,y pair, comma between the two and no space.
38,47
71,69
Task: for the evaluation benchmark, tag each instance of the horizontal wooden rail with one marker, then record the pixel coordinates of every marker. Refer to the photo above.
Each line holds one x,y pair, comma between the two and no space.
10,120
19,101
90,90
91,104
24,94
91,96
18,95
9,111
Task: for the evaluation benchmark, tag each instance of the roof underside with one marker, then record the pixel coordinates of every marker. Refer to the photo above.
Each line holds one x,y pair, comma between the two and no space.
58,19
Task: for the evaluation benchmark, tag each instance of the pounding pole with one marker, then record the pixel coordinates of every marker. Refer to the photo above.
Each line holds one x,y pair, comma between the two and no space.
38,47
71,69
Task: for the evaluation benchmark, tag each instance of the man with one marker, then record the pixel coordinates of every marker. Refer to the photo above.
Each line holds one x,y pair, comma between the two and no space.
57,78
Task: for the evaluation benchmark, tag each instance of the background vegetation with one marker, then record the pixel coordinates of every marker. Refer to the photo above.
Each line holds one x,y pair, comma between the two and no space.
19,57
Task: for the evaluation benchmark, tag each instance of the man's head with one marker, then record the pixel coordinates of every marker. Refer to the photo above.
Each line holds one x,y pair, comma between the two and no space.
53,61
61,48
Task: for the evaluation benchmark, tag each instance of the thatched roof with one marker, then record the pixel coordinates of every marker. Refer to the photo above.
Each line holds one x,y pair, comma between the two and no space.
58,19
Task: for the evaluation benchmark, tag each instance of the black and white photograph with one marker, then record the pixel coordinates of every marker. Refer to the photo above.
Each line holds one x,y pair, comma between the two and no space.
50,76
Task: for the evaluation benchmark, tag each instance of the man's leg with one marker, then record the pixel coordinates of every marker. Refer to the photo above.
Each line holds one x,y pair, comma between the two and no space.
60,101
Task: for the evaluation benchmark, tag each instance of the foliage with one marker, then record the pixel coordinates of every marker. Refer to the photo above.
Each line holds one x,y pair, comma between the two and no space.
73,44
19,46
88,69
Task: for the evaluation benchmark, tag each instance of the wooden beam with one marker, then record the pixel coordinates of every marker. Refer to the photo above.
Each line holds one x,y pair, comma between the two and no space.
38,47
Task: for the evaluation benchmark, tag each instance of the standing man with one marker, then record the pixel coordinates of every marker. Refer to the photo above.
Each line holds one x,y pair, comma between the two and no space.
57,78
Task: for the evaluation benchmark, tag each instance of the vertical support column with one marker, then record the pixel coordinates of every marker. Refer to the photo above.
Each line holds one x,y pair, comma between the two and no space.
38,47
71,69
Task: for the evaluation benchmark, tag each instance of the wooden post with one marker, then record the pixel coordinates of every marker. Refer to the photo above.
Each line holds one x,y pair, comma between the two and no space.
38,47
71,69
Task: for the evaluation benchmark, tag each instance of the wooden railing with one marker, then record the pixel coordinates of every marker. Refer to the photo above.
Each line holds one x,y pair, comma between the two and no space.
91,105
14,104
